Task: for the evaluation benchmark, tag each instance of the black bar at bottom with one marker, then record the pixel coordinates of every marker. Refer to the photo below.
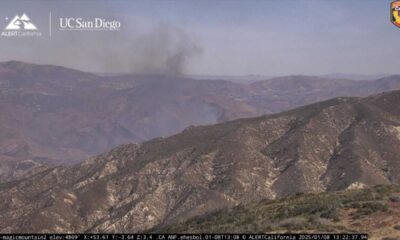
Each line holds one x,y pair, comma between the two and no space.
184,236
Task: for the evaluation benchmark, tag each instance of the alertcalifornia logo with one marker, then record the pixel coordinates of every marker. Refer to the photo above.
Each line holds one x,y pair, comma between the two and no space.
24,26
395,13
20,26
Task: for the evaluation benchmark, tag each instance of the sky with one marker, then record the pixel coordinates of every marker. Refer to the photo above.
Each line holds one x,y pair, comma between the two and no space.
234,37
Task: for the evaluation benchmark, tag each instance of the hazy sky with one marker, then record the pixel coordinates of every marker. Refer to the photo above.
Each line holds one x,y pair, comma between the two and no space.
230,37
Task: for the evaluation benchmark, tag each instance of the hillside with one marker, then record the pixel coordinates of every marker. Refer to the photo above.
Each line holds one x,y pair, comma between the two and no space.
342,143
375,211
55,115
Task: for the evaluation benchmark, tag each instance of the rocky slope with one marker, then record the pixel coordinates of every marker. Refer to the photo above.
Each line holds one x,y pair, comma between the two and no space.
338,144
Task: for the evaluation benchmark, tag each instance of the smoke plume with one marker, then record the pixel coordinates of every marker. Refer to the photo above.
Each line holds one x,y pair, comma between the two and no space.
166,50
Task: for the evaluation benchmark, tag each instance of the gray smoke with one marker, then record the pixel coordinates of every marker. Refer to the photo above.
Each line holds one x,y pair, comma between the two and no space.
166,50
160,49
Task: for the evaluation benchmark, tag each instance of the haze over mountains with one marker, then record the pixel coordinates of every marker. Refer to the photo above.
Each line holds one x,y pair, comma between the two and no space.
342,143
55,115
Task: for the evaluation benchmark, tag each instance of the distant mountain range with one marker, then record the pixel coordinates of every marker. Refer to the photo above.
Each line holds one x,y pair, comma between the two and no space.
254,77
55,115
338,144
358,77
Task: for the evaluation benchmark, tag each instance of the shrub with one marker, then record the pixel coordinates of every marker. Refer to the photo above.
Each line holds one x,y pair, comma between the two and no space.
375,206
395,198
368,208
294,223
331,214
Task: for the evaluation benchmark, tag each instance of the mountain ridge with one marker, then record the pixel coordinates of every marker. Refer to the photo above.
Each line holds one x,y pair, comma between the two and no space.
338,144
55,115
